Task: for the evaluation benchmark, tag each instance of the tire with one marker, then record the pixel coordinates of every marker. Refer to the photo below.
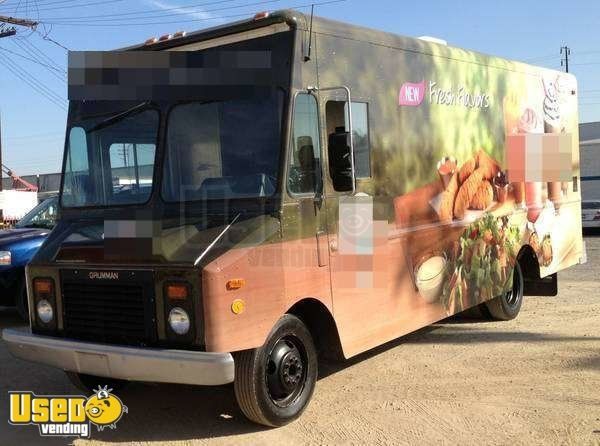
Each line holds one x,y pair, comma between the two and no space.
508,305
274,383
21,301
89,383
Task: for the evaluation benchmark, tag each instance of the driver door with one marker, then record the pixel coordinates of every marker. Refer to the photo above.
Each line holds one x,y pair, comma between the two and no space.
304,218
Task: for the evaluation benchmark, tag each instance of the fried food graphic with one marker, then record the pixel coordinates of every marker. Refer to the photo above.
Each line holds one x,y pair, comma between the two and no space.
467,169
534,242
489,165
466,192
448,198
546,251
483,197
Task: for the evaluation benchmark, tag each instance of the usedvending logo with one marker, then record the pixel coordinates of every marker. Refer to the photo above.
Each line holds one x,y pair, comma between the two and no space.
60,415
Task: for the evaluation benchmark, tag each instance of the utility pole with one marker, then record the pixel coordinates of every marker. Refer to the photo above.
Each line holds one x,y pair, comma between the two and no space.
7,32
565,62
11,31
19,22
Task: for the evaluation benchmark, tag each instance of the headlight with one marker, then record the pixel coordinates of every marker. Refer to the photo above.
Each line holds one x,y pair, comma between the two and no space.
179,321
44,302
45,311
5,257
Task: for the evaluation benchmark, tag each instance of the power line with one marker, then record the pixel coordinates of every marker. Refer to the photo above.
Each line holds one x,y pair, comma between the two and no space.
160,11
88,23
43,55
46,37
588,52
33,82
540,58
58,73
80,5
206,11
29,59
585,63
41,2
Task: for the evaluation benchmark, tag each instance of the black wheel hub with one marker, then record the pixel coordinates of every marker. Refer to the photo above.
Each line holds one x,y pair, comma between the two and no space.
286,371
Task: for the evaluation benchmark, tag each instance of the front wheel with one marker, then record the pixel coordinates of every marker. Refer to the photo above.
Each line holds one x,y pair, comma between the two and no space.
506,306
274,383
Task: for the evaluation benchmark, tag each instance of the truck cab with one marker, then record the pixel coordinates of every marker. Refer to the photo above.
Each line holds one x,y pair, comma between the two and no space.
170,206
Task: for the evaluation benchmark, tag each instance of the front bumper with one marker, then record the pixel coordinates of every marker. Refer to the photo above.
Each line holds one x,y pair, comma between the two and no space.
129,363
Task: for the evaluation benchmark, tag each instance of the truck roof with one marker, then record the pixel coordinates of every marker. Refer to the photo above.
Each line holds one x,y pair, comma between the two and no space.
298,20
291,17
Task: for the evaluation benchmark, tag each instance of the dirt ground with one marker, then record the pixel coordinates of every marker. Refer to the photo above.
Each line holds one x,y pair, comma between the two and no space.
534,380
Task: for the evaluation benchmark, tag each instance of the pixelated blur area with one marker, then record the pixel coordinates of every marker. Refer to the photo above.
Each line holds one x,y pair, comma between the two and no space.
358,237
539,157
131,238
170,75
356,225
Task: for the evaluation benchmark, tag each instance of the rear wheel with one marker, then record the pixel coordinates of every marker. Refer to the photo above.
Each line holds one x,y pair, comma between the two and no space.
508,305
274,383
90,383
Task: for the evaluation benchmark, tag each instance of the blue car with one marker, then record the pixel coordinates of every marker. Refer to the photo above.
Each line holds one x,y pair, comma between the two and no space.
18,246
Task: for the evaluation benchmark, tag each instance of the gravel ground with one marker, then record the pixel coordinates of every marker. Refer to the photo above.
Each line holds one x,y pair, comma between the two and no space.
534,380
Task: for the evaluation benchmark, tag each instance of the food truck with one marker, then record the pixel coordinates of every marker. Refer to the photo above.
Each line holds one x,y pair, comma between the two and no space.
239,201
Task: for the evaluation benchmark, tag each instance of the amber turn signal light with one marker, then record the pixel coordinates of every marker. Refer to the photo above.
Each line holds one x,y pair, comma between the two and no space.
235,284
43,286
177,291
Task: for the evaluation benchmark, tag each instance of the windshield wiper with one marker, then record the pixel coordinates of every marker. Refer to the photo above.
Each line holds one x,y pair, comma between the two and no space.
120,116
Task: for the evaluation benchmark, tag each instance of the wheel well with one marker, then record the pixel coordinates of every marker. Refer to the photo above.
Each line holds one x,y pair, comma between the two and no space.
529,264
321,325
533,284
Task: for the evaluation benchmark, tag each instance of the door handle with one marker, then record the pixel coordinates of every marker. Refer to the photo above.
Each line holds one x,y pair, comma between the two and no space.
333,245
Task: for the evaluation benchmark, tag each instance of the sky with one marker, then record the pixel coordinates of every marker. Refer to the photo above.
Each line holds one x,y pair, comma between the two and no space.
33,96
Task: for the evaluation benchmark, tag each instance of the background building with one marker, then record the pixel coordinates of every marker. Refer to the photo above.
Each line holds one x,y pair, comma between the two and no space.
589,144
48,184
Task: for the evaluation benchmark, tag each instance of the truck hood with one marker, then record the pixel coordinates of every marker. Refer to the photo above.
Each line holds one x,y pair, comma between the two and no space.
10,236
194,244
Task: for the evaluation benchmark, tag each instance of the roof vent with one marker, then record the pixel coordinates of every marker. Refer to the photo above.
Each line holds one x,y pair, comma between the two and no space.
433,40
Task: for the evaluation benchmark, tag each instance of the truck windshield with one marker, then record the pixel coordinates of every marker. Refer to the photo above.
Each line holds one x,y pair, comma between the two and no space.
42,216
110,159
223,149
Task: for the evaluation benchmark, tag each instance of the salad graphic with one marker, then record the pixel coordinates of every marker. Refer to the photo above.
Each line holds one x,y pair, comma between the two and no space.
481,263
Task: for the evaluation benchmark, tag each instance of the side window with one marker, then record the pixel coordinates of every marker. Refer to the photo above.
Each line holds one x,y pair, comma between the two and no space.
338,146
304,168
77,171
340,168
360,130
